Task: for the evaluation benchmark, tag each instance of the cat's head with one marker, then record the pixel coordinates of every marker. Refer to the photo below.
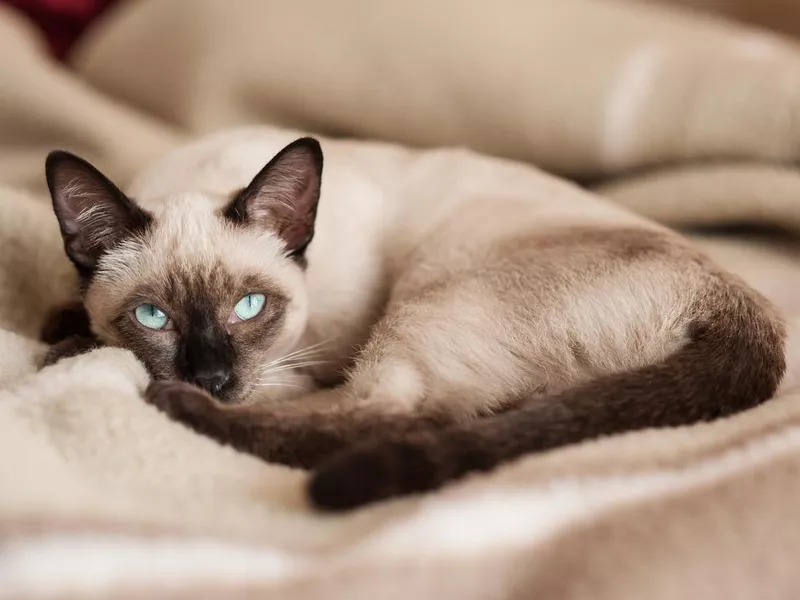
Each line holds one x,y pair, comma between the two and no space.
201,291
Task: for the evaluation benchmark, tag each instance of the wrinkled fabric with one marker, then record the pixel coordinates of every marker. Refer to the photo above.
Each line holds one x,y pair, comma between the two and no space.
691,121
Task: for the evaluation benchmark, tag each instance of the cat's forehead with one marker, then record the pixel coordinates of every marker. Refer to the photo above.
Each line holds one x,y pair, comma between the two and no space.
193,210
189,239
190,229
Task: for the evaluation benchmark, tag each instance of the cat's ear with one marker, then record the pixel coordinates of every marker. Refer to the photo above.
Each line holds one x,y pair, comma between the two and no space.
283,196
93,214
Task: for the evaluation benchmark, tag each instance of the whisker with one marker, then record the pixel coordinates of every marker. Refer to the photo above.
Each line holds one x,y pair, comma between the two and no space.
293,361
288,373
297,365
259,399
301,352
291,385
285,359
285,378
298,352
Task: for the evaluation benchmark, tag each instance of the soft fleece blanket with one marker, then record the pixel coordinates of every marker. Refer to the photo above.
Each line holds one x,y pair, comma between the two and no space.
690,120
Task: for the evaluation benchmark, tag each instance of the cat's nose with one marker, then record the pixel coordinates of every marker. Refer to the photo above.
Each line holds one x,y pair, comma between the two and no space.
213,381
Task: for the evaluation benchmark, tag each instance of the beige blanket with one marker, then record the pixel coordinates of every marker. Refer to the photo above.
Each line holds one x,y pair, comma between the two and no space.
101,496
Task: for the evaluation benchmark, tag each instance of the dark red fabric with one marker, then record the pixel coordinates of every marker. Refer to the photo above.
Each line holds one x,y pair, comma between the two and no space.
62,21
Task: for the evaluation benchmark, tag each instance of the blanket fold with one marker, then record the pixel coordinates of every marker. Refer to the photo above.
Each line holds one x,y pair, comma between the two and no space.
580,87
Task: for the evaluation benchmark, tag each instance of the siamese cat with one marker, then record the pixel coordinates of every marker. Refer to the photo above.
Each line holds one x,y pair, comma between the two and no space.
418,316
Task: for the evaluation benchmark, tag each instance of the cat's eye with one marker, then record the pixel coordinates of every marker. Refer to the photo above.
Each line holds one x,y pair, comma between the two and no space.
150,316
249,307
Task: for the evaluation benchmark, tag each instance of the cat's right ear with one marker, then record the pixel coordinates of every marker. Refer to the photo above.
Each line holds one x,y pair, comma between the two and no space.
283,196
93,214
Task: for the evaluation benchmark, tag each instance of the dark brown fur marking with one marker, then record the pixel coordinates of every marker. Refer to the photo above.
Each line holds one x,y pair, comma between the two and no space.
199,303
295,224
290,434
733,361
64,322
72,346
68,332
76,186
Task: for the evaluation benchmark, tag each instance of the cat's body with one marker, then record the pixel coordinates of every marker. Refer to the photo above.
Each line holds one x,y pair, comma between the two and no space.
393,224
439,286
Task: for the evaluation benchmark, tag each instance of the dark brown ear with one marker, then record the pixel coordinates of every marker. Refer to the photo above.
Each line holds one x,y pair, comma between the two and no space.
283,196
94,215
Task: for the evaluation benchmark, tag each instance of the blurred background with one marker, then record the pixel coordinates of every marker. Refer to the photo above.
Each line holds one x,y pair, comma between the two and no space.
588,89
63,21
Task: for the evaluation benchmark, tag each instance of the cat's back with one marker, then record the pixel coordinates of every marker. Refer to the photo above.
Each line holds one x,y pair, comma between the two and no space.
376,197
400,185
220,164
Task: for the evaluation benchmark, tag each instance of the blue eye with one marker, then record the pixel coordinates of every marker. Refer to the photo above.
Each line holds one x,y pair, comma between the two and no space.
249,306
151,316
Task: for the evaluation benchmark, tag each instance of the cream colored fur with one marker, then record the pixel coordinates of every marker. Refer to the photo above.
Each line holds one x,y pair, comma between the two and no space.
430,258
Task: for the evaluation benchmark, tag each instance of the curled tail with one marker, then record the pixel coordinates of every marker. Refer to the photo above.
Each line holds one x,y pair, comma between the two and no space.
734,360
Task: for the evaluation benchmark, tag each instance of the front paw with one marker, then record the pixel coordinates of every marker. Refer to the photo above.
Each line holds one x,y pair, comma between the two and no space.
181,401
72,346
191,406
65,322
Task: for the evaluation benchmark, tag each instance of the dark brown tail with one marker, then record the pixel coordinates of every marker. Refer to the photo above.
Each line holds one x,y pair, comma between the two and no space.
734,360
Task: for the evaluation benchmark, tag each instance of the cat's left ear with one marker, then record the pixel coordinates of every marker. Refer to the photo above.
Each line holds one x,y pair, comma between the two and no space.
93,214
283,197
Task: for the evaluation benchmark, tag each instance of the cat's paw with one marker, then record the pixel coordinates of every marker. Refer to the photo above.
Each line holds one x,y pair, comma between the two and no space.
180,401
72,346
65,322
373,472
